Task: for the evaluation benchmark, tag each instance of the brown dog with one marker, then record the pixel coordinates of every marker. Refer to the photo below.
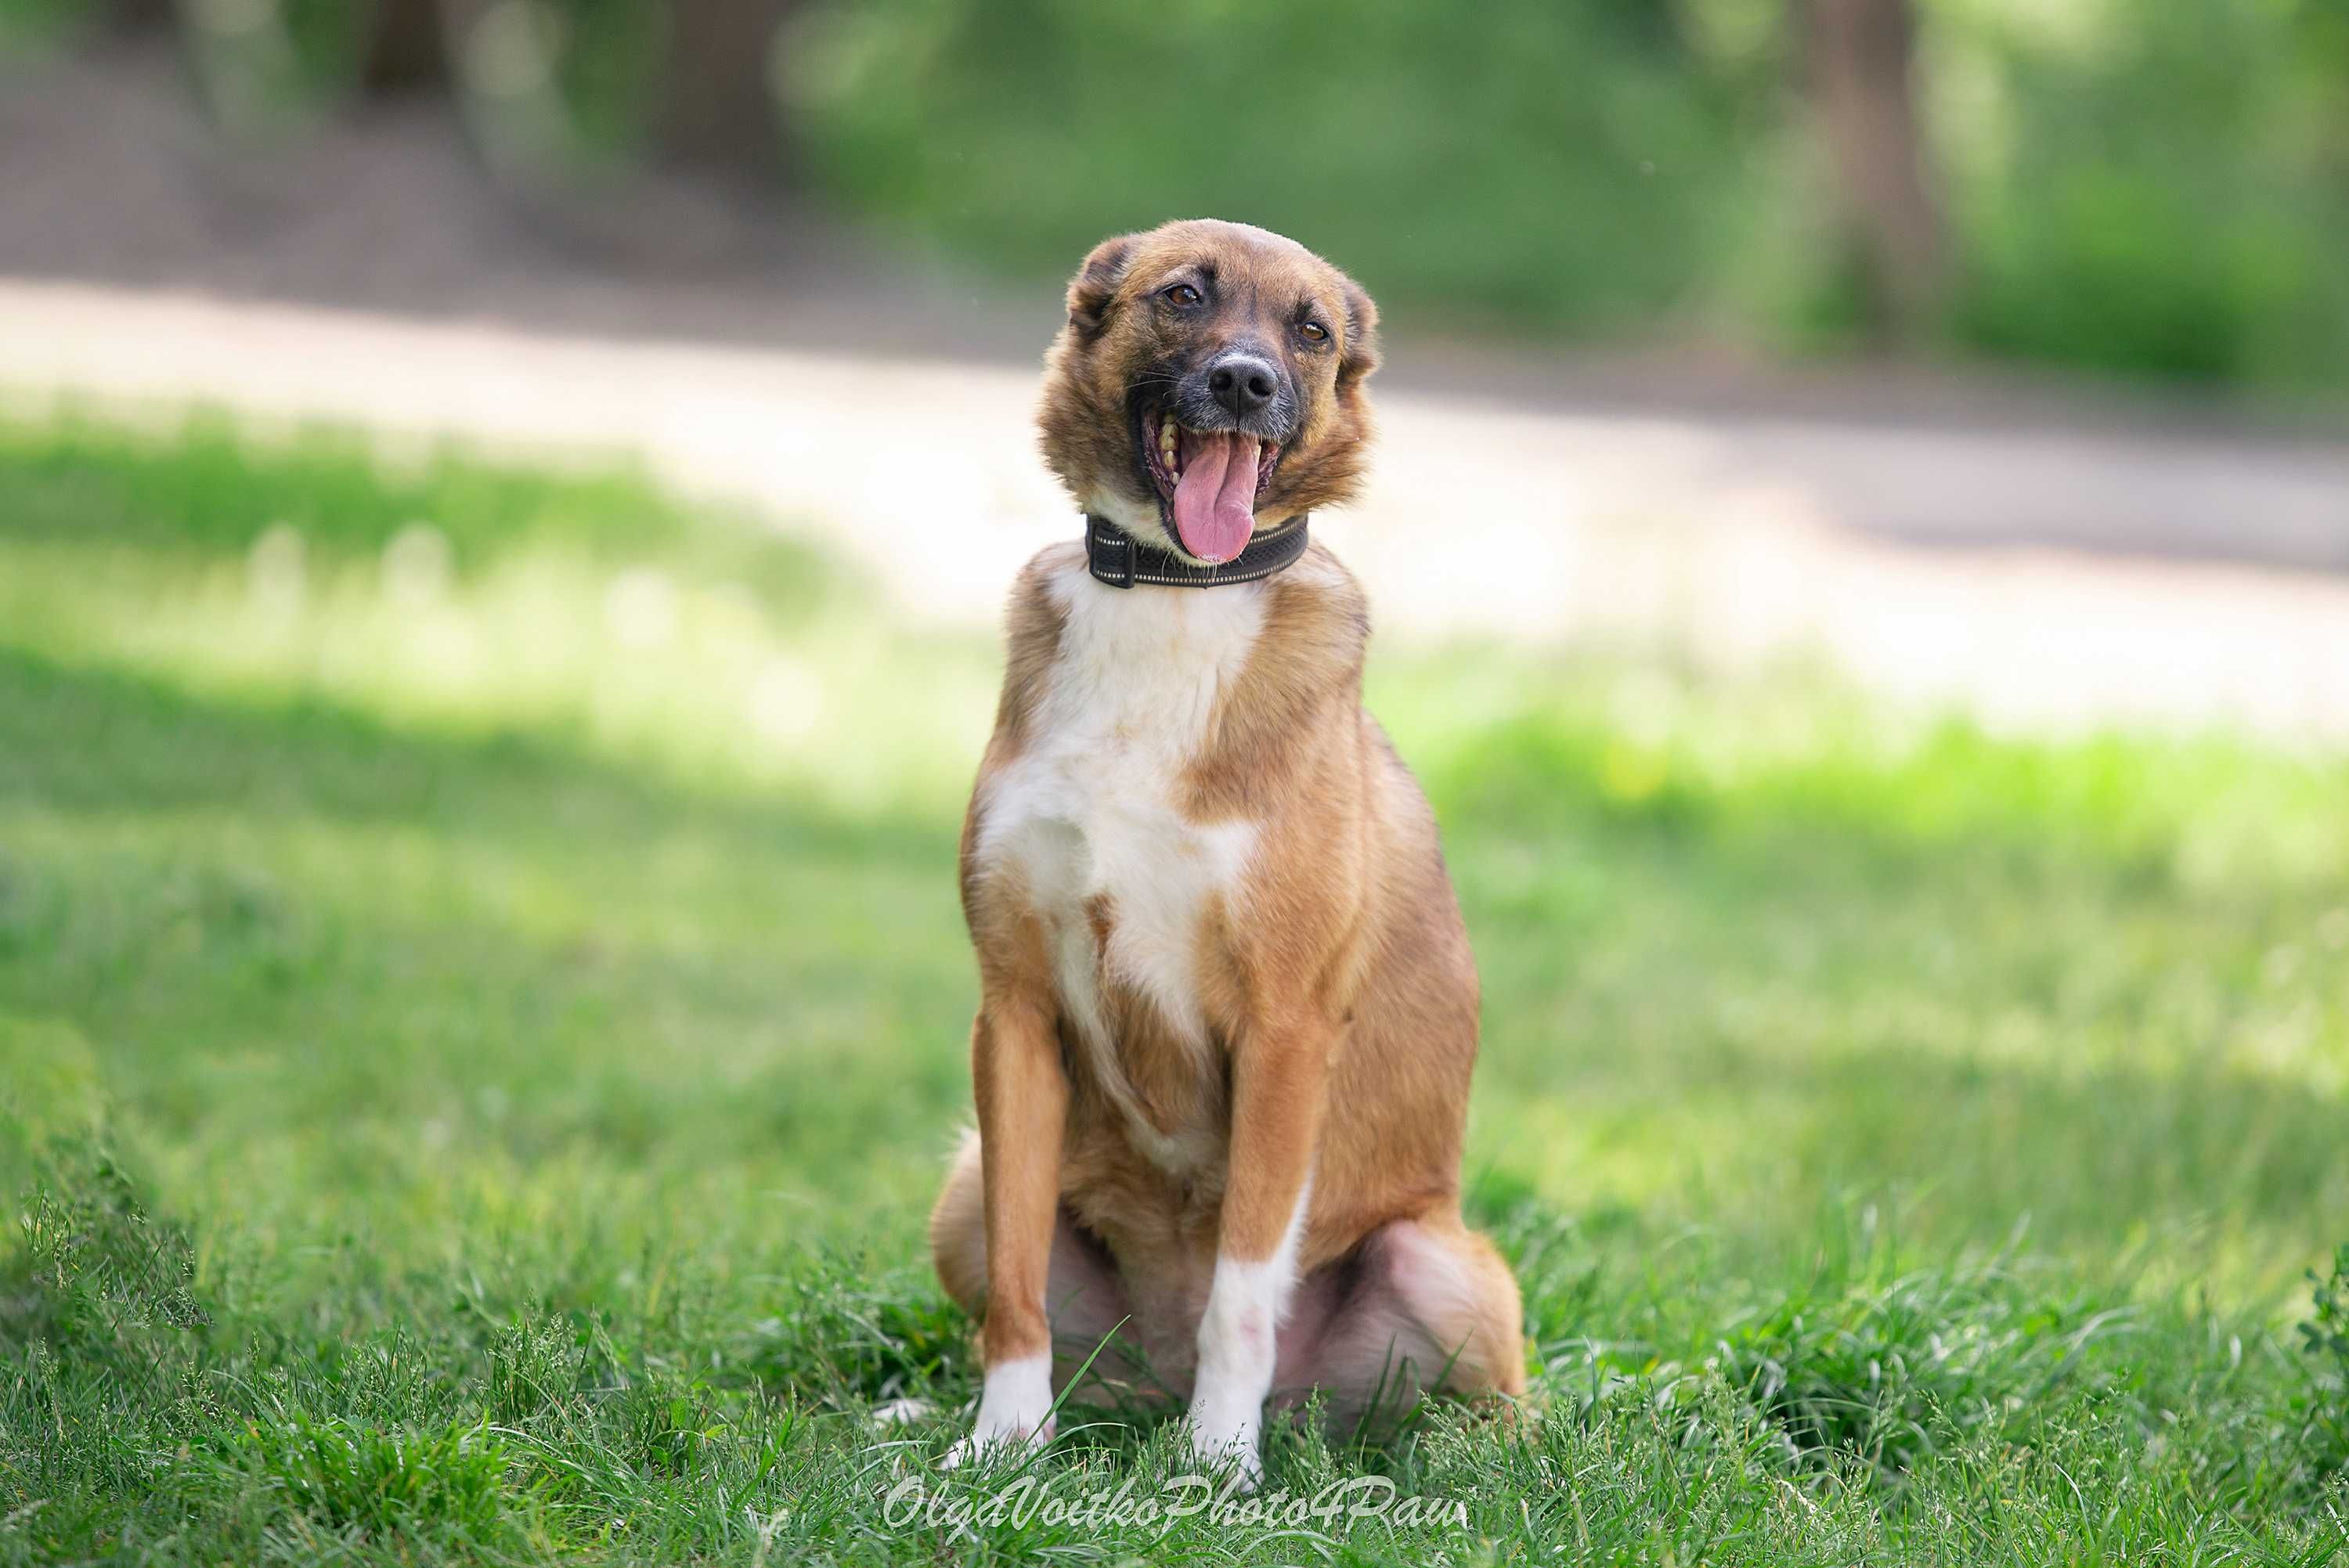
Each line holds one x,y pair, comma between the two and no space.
1227,1010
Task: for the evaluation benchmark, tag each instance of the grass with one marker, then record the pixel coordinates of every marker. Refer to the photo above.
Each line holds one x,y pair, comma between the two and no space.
482,1000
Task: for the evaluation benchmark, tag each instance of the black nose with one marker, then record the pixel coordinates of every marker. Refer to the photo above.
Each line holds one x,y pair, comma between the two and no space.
1242,383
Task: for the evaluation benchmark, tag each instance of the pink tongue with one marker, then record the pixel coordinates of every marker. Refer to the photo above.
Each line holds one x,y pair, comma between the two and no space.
1215,500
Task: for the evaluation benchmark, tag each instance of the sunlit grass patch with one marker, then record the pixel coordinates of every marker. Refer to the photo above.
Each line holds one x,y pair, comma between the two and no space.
477,600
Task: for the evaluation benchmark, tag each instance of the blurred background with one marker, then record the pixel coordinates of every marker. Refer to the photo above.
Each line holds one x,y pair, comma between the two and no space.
1954,340
2140,190
504,510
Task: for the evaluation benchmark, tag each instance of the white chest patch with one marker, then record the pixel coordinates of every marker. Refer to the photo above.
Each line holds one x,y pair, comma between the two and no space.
1089,808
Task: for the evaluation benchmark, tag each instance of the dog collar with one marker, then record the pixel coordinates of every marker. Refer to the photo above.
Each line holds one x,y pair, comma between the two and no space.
1117,558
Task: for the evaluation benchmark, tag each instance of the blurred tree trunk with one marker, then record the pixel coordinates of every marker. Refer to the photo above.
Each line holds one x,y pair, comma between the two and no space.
406,50
1859,55
718,110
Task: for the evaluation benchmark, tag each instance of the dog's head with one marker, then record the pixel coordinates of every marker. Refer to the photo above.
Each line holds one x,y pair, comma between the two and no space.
1209,383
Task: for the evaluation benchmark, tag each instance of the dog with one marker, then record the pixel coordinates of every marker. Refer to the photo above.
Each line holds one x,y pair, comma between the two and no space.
1227,1010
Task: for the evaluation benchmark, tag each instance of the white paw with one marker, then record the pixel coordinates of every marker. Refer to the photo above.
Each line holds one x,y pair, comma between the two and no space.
902,1412
1222,1434
1015,1410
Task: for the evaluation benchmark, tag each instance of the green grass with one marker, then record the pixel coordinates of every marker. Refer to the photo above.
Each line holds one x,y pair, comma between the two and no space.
482,1005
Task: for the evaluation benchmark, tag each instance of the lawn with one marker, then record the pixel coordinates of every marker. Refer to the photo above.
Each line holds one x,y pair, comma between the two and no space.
483,1005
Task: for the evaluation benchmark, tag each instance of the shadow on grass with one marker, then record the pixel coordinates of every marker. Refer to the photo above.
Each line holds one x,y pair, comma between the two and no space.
87,741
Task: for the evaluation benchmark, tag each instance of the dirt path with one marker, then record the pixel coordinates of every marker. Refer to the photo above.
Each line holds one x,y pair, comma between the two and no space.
2039,562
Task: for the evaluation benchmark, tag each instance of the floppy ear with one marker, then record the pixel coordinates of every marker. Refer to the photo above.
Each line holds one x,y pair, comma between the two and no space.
1362,355
1096,282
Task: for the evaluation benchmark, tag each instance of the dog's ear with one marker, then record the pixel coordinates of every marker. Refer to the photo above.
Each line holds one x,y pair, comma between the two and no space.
1091,290
1362,355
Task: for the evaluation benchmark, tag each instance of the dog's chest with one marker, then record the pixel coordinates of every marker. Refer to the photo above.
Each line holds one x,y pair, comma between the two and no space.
1088,822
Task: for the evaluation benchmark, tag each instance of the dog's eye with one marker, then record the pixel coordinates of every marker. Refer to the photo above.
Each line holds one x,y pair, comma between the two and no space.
1182,294
1313,332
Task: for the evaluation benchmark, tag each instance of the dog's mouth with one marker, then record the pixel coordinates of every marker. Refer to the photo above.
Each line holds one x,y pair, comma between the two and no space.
1208,481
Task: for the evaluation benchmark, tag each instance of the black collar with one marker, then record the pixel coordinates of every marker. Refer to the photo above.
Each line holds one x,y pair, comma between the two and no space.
1120,560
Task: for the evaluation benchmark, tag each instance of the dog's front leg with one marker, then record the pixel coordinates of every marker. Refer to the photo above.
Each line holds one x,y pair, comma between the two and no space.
1023,1092
1278,1079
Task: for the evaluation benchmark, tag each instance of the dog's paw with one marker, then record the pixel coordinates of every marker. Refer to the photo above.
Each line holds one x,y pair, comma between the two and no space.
1015,1410
903,1412
1221,1437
